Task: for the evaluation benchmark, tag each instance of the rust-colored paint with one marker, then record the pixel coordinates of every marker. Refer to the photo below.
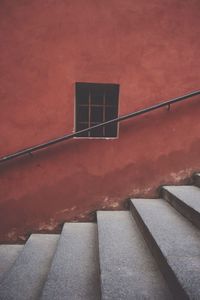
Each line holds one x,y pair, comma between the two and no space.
151,48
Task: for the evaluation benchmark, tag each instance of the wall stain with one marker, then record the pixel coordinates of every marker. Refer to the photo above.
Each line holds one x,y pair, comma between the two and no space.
68,200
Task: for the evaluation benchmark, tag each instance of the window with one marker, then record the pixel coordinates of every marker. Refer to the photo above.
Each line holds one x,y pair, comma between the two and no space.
96,103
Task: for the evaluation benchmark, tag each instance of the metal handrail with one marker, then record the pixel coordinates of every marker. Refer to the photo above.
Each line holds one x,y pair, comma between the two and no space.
116,120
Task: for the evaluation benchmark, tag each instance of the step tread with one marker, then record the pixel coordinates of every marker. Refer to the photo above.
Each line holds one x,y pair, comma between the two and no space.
128,270
26,277
177,238
190,195
74,273
8,254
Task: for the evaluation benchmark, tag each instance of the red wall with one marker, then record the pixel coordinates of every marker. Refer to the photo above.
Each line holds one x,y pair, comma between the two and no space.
151,48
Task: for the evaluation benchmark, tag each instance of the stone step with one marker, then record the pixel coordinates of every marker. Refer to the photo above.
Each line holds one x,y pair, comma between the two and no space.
174,242
8,254
186,199
196,179
74,273
128,270
25,279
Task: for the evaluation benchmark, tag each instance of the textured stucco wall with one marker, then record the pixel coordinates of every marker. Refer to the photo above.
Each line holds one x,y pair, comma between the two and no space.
151,48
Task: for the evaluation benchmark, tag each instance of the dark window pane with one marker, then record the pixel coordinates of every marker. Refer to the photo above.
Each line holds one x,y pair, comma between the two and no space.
94,123
97,94
82,94
82,114
98,132
112,93
81,126
111,113
96,114
111,130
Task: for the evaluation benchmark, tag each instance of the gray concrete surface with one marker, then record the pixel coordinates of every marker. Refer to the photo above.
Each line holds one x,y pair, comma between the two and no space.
186,199
190,195
8,254
26,277
74,274
128,270
177,239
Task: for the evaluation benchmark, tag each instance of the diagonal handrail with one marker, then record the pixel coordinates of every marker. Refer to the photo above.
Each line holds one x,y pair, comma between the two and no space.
116,120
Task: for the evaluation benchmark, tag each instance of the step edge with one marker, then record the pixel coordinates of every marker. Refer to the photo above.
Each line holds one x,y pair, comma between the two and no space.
48,278
183,208
196,179
167,272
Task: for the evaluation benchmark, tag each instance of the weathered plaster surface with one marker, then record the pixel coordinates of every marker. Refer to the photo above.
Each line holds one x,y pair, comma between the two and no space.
151,48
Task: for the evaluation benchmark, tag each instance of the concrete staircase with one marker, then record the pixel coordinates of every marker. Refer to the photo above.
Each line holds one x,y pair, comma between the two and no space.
149,252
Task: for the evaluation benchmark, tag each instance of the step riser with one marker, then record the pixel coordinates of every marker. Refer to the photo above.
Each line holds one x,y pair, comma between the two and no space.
182,207
196,180
8,255
167,272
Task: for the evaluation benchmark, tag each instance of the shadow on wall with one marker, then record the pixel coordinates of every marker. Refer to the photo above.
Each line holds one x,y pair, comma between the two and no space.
74,198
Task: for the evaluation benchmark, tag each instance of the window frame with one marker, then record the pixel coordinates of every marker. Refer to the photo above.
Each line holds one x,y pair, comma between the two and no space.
75,112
